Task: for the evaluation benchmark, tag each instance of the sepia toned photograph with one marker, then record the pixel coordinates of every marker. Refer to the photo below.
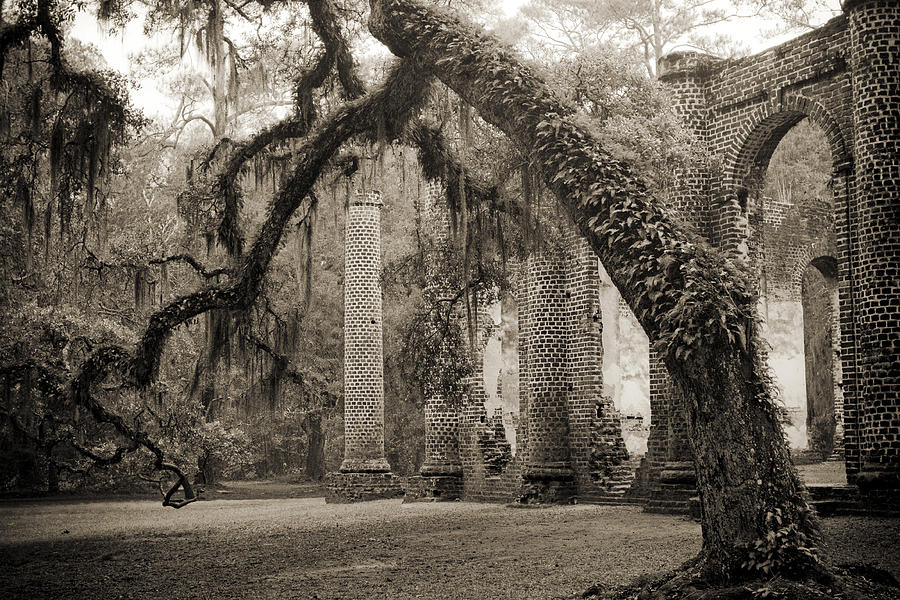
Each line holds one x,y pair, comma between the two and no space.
450,299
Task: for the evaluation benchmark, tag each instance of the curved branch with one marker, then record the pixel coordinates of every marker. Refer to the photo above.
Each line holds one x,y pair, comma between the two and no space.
336,54
326,26
182,482
100,264
193,262
385,110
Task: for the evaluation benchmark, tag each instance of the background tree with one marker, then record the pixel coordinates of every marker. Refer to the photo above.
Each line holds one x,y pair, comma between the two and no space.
648,28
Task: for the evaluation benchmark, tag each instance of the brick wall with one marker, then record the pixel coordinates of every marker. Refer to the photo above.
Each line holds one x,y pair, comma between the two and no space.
875,61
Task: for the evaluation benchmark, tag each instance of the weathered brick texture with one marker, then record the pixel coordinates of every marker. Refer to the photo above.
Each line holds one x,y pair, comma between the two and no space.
364,473
548,467
875,62
363,354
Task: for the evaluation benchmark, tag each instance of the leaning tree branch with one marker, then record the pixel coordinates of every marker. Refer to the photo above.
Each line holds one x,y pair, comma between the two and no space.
100,264
386,111
336,54
193,262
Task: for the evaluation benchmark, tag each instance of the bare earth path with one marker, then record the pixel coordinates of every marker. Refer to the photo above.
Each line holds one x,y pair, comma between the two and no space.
303,548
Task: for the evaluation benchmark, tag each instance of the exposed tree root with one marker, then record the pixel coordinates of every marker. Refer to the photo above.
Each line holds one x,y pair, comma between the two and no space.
844,582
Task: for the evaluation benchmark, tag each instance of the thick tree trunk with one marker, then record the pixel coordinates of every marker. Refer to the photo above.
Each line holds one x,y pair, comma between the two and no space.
696,307
315,454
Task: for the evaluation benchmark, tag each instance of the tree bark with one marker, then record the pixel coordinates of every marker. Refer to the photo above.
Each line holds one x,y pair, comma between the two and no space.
697,307
315,454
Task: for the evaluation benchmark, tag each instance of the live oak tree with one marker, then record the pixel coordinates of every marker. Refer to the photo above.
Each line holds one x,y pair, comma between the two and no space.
697,307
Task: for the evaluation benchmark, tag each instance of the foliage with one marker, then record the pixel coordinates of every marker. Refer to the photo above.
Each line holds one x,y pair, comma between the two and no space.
786,548
800,168
821,435
631,114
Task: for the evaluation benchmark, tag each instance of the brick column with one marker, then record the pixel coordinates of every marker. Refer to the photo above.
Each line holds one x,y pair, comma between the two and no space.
548,475
521,296
441,473
595,438
363,358
875,64
364,473
584,354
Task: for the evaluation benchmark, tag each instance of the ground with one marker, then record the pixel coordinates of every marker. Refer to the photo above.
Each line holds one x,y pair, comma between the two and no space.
283,547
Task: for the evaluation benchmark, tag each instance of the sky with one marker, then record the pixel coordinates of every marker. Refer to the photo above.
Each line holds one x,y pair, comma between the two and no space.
117,47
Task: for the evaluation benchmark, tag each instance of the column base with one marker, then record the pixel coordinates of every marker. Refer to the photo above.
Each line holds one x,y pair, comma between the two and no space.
433,488
441,470
548,484
345,488
874,478
368,465
677,486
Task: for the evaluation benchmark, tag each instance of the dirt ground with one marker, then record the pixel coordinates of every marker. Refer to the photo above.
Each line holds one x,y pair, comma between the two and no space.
303,548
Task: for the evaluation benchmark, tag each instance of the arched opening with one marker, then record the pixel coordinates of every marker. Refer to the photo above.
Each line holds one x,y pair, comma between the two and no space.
821,348
791,212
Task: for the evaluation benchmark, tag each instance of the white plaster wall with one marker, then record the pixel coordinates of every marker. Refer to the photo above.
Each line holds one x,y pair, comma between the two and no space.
783,329
502,354
626,366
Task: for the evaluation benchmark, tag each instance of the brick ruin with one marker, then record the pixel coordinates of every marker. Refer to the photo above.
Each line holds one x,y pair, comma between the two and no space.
546,427
835,263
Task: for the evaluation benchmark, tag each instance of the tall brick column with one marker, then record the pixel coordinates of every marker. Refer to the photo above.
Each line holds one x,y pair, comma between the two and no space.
875,63
441,473
548,475
364,473
584,360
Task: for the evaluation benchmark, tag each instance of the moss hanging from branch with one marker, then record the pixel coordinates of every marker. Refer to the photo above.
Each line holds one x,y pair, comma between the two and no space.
393,103
335,56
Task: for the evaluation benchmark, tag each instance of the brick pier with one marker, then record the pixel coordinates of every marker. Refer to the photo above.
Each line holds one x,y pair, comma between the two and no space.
364,473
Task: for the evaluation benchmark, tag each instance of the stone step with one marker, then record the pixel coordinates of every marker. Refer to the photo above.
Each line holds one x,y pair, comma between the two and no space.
831,508
595,498
676,508
822,492
673,493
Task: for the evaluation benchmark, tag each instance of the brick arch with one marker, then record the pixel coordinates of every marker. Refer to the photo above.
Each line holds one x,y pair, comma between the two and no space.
812,253
750,150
